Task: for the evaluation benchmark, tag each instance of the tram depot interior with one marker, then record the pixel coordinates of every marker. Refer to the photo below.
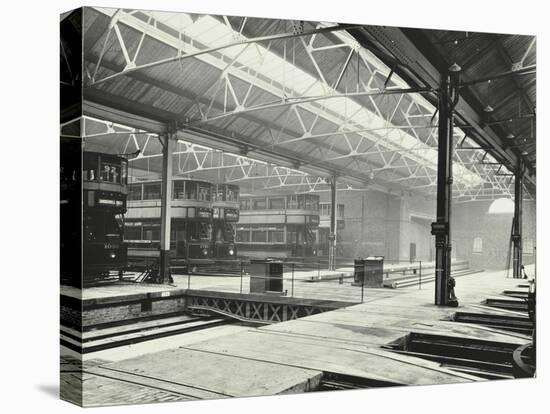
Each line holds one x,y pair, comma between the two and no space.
253,206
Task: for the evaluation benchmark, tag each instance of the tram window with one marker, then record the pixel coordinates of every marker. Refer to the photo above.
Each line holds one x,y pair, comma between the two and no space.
132,233
219,193
179,190
89,168
243,235
110,172
259,236
124,172
219,236
314,202
291,236
190,190
292,202
232,194
193,231
206,231
276,236
301,201
151,191
151,233
276,203
191,212
259,204
204,192
199,231
134,192
229,232
245,204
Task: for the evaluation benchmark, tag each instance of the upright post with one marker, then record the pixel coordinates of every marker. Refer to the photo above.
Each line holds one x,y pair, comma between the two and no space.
292,287
441,229
332,235
517,223
241,289
167,141
420,274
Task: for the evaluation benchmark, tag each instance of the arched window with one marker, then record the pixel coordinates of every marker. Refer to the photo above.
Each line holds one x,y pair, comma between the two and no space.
502,206
478,245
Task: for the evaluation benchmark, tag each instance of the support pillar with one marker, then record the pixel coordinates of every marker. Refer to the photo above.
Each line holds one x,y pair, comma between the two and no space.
517,223
441,229
168,142
332,235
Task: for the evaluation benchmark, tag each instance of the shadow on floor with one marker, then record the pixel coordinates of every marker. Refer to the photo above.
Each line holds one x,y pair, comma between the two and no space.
49,389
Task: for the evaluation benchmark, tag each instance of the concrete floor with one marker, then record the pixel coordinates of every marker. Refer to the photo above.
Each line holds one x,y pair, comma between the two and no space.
288,357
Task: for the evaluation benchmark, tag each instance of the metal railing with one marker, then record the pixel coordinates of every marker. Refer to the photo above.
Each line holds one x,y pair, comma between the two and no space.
307,278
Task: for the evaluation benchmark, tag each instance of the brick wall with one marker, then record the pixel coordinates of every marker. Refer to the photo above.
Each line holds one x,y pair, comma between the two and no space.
123,309
471,220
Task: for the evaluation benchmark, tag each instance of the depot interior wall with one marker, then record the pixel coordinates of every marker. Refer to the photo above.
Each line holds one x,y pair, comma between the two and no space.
378,223
372,223
417,214
472,220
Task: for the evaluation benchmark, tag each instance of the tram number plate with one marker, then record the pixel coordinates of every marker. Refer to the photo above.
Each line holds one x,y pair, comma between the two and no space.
164,294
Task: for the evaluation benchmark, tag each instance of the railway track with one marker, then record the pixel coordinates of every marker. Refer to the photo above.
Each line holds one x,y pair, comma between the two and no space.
511,323
99,339
414,280
481,358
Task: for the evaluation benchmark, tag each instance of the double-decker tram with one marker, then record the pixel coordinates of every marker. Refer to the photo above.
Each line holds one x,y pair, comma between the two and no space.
225,214
104,191
278,226
201,217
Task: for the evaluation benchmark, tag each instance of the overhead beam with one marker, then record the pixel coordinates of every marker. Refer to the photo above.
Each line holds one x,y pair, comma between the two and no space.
309,99
425,74
179,56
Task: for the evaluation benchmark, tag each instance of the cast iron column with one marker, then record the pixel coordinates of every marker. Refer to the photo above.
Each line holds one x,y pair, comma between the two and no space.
332,235
516,234
167,141
441,229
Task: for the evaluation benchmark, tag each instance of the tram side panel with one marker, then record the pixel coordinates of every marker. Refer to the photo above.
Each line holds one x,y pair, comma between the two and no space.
71,212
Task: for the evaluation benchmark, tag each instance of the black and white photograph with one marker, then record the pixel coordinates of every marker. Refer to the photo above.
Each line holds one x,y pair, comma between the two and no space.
300,206
255,206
